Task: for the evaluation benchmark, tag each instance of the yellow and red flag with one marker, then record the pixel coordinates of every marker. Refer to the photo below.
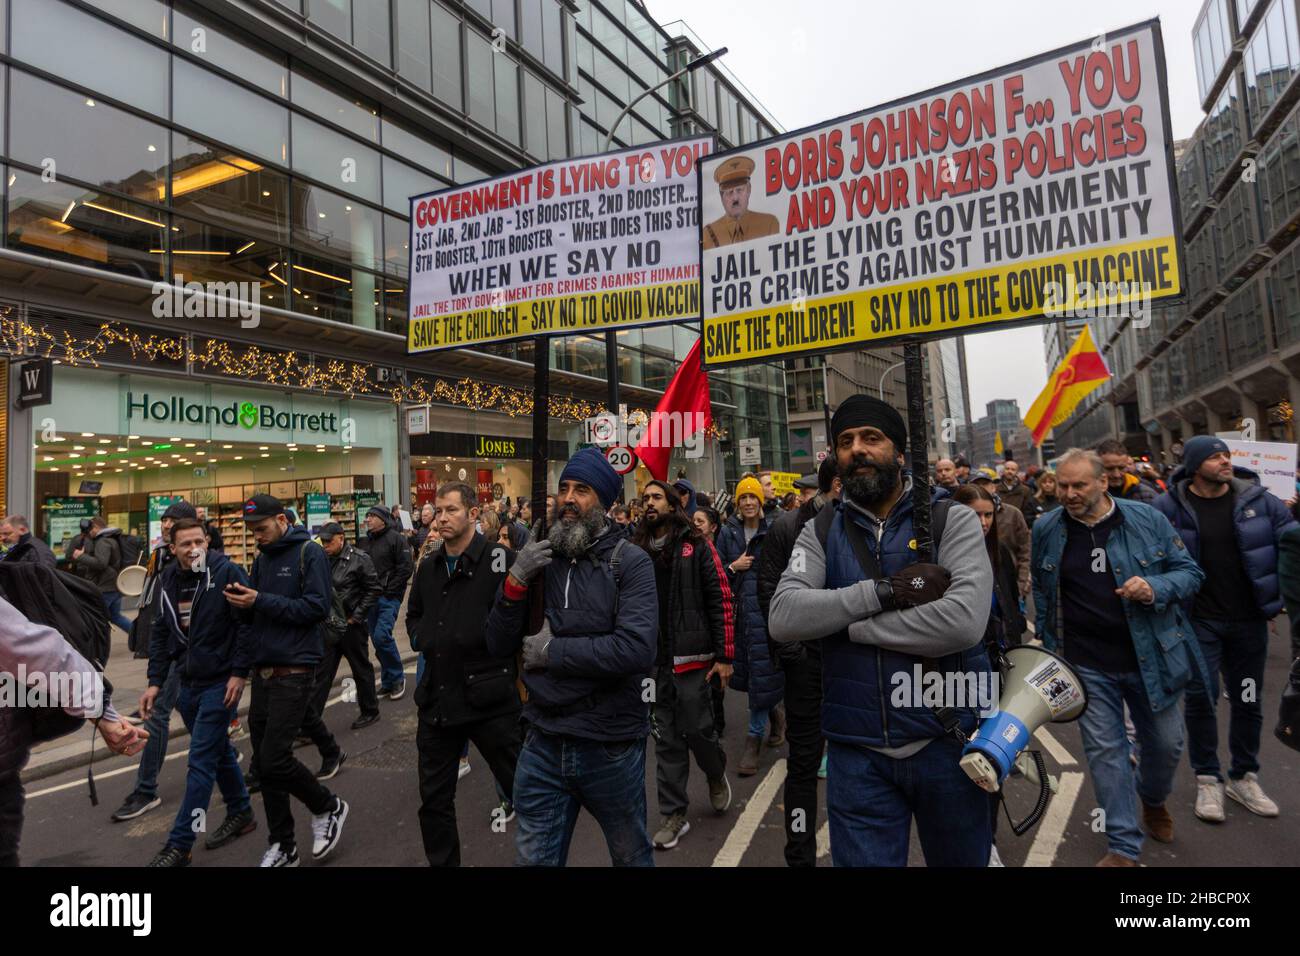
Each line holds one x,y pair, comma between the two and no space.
1082,370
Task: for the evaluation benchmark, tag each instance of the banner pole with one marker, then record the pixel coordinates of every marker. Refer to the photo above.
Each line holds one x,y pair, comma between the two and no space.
917,430
541,451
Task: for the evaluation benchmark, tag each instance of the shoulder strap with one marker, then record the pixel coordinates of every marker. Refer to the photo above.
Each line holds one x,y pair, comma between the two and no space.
938,519
614,570
822,523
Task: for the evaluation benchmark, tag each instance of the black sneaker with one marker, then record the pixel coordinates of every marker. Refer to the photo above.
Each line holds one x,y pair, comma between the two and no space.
232,828
170,856
136,805
365,720
331,766
384,690
397,691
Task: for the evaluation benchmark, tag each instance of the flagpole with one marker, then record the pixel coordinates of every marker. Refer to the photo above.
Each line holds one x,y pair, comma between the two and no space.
917,430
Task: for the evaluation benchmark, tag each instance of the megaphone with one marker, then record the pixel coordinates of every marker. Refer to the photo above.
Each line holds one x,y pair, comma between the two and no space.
130,580
1040,688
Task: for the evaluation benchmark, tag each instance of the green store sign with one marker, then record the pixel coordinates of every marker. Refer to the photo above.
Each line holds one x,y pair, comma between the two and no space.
249,415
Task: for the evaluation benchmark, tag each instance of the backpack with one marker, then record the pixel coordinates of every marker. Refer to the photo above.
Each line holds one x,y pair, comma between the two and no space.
130,549
73,607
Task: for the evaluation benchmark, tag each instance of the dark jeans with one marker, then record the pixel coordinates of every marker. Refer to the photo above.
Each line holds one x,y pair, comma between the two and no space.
717,696
871,800
11,818
803,714
1239,649
159,726
498,739
355,648
279,707
683,722
211,760
382,618
558,776
113,604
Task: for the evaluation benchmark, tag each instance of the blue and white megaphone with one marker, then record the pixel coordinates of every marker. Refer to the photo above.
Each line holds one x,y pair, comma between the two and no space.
1040,688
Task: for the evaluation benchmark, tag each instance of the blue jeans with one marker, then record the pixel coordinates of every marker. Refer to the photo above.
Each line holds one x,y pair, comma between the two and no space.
1160,744
557,776
113,604
871,800
158,725
212,760
758,721
1239,649
381,619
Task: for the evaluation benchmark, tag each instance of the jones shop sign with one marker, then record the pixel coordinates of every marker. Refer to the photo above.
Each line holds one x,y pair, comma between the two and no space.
251,415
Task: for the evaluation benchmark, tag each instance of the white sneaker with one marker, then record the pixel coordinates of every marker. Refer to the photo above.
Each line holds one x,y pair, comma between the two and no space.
327,828
1209,798
994,859
1248,793
277,857
464,769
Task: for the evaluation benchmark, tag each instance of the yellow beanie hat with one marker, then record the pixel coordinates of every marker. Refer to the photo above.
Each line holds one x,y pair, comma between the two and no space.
749,486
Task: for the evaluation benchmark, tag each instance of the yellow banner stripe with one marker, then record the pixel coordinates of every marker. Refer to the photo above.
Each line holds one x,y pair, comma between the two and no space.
881,312
605,309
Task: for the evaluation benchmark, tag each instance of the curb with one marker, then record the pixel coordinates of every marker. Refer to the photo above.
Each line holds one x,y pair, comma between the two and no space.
82,756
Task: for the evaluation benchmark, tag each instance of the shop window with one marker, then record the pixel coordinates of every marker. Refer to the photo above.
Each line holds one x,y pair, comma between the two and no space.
202,252
78,224
446,57
333,158
370,29
236,191
413,59
345,111
215,46
397,246
229,113
331,290
84,49
87,139
394,305
336,226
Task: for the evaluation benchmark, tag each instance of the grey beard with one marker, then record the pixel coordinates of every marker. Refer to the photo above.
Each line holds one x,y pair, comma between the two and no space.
571,539
868,490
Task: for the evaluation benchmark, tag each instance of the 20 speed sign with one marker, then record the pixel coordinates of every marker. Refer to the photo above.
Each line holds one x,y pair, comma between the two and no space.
621,458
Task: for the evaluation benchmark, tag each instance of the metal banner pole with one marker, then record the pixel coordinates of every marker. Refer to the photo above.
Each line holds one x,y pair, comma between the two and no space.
917,430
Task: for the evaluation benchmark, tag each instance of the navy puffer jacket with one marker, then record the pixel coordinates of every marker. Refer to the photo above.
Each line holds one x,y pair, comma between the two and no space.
755,672
1260,519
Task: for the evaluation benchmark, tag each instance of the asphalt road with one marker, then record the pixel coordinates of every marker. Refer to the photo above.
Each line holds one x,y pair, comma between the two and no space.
379,780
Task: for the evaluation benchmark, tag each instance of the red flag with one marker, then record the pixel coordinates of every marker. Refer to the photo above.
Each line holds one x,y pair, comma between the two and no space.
684,411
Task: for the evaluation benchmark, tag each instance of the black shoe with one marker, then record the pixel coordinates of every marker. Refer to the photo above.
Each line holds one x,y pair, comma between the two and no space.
136,805
331,766
171,856
397,690
384,690
232,828
365,720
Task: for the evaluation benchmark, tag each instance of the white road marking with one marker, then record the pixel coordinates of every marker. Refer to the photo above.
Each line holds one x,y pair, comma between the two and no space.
1051,829
824,840
743,832
1055,748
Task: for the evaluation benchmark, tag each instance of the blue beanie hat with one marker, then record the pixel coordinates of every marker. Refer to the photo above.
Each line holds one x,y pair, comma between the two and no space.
590,467
1200,447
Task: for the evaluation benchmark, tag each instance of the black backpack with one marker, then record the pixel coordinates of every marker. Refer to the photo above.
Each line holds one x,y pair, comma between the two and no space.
130,549
73,607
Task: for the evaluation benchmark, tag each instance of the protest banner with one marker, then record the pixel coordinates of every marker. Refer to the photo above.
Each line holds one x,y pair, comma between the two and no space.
1040,190
1274,462
568,247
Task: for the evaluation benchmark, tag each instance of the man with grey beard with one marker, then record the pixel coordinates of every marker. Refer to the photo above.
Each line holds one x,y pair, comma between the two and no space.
587,714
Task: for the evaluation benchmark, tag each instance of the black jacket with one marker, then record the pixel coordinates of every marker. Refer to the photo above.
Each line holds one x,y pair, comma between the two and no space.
217,644
391,554
355,582
102,559
772,561
1007,590
447,616
32,549
701,611
292,581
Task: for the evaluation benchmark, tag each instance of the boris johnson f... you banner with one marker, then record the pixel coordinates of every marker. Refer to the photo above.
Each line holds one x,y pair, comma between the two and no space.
576,246
1037,191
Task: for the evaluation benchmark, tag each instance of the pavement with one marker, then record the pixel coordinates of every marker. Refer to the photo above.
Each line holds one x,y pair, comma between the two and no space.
379,780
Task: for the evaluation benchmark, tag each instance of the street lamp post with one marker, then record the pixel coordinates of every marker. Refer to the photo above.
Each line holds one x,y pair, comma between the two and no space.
611,336
883,376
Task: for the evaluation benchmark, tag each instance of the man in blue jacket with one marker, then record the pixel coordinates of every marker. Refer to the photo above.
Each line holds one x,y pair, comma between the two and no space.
586,672
1231,527
1109,576
288,600
199,635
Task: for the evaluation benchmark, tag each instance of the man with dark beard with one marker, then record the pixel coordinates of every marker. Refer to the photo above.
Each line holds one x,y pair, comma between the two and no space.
587,712
853,581
696,642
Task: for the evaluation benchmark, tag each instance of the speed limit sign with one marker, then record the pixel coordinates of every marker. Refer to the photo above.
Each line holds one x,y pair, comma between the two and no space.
621,458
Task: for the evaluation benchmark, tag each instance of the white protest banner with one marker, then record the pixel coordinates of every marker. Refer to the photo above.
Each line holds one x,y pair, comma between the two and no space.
1043,189
575,246
1274,462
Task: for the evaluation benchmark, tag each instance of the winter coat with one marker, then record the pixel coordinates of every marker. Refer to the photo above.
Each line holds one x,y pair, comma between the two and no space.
1019,496
1135,489
777,547
217,644
1013,531
701,611
102,559
755,672
447,617
1259,519
1144,544
603,641
292,580
32,549
355,582
391,554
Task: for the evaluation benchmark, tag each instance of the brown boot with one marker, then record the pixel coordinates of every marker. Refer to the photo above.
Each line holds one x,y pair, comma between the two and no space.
1114,859
776,727
748,765
1159,824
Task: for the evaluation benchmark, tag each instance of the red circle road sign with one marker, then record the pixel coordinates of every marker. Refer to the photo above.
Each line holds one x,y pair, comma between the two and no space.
622,458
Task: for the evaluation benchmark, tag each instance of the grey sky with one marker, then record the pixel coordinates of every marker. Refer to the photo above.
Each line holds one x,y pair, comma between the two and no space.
818,59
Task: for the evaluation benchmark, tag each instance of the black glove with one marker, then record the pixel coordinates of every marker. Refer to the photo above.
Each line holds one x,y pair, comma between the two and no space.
919,584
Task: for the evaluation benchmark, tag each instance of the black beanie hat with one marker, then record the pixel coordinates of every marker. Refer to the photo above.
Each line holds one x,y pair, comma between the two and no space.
857,411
